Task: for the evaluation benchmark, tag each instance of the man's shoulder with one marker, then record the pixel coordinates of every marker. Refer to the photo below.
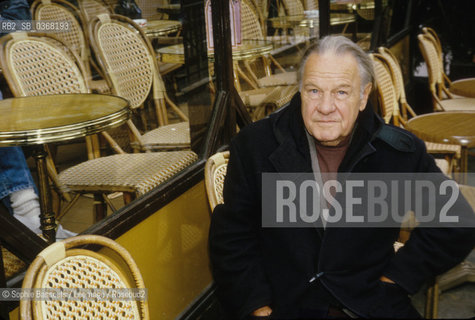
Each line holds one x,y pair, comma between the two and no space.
399,139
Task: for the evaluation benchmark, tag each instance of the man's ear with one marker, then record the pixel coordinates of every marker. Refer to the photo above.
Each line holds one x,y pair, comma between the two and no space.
364,99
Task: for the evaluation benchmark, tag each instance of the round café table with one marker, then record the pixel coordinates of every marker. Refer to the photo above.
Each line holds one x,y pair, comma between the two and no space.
310,22
463,87
160,28
37,120
447,127
248,49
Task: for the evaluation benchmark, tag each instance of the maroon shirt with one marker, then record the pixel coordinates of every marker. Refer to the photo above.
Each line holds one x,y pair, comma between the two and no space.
329,158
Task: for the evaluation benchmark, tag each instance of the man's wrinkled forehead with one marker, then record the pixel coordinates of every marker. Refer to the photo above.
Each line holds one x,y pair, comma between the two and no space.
333,59
329,65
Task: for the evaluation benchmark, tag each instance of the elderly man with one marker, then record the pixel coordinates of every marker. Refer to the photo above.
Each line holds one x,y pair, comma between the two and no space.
316,272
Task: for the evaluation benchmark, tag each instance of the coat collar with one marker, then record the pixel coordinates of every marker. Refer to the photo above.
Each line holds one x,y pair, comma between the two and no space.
293,154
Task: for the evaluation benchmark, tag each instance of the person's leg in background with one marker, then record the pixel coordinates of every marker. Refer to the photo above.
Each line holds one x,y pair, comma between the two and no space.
18,191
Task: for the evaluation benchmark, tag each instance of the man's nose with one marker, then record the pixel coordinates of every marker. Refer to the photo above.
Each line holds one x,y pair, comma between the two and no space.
326,104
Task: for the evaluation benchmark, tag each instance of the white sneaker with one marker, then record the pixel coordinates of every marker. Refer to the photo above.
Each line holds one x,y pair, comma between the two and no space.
62,233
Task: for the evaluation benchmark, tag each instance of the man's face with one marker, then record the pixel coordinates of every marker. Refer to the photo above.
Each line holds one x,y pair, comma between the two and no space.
331,97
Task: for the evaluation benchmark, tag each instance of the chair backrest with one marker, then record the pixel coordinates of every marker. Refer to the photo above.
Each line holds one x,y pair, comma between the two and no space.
311,4
63,265
263,7
438,45
215,172
293,7
445,80
92,8
126,56
386,89
431,57
251,28
128,59
398,80
29,58
61,10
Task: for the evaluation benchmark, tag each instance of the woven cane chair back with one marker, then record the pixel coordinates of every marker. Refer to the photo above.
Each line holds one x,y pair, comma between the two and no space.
263,7
128,59
438,45
92,8
437,78
215,172
464,87
431,57
29,59
311,4
60,10
385,86
63,266
432,33
293,7
398,79
126,56
251,27
395,70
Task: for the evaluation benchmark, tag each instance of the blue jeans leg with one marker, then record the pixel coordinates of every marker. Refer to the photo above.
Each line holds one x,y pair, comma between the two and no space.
14,173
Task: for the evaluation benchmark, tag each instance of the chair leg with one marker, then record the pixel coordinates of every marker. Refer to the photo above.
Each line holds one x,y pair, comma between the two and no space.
128,197
432,301
100,207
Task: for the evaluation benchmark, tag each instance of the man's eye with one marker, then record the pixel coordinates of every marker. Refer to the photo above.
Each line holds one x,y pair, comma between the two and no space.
313,91
342,93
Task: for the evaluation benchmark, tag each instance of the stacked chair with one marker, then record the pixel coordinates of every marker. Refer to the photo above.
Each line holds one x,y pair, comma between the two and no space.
442,98
262,75
311,4
391,91
28,59
74,37
266,91
92,8
398,110
128,60
463,87
299,34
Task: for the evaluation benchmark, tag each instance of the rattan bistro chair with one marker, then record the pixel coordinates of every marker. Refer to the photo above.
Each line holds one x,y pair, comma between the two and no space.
27,60
73,36
66,265
401,115
428,48
463,87
390,110
128,59
259,69
215,172
92,8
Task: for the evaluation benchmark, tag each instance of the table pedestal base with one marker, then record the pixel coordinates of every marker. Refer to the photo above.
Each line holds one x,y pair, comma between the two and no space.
47,217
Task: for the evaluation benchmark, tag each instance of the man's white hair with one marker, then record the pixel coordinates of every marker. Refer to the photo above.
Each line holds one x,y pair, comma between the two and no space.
340,45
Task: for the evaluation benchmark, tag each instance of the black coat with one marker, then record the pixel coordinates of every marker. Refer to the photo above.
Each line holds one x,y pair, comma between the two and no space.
254,266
